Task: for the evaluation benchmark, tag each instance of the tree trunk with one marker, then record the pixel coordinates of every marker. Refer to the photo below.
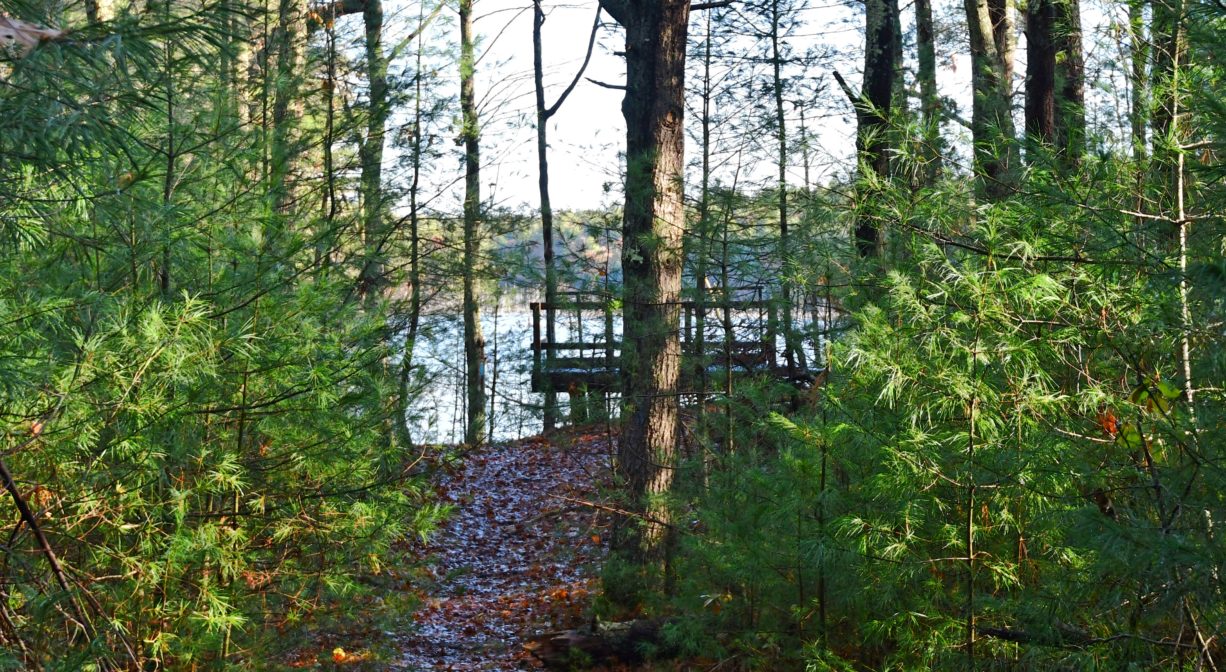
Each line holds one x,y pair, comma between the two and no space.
1070,77
474,340
899,107
1139,54
414,317
790,349
1041,71
930,104
1055,77
653,222
704,224
288,41
873,109
374,237
1169,38
991,40
542,152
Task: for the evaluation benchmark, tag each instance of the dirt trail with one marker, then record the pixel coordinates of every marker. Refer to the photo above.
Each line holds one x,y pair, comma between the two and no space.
516,558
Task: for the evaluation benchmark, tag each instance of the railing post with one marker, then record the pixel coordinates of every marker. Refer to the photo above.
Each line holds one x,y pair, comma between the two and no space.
610,355
536,344
772,323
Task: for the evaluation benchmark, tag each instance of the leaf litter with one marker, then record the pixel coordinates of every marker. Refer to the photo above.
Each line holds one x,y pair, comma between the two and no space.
517,558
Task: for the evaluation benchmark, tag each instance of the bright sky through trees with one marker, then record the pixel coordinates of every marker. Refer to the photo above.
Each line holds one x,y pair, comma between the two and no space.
587,133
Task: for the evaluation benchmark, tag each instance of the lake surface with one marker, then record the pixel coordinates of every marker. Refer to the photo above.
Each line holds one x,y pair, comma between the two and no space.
437,413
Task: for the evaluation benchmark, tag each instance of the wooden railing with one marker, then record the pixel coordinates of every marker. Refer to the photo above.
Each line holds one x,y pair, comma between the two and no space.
718,334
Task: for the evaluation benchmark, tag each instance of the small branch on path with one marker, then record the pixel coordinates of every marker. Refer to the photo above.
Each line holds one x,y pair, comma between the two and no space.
620,512
543,515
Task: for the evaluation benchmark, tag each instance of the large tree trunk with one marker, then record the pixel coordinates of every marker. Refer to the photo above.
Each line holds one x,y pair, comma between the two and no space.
1070,77
930,104
873,108
1041,71
991,40
652,228
1055,79
474,340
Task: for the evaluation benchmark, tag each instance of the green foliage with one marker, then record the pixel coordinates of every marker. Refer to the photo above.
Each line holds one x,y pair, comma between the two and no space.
1012,449
197,407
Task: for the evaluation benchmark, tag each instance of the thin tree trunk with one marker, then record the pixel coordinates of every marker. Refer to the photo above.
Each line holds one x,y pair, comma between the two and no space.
790,349
930,104
288,43
414,317
543,115
474,340
1139,54
329,207
704,226
374,237
900,107
1169,39
654,108
542,151
168,182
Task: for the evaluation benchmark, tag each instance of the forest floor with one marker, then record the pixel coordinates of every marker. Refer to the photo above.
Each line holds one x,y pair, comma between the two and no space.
518,556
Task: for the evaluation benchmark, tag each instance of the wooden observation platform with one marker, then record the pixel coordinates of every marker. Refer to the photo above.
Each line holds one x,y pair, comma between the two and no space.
726,334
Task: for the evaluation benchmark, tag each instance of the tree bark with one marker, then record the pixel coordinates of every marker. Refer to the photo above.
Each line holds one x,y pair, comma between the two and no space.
873,109
1055,77
374,238
1070,77
1169,39
930,104
1139,55
543,115
990,25
542,151
474,339
288,42
791,350
1041,71
704,222
652,227
414,317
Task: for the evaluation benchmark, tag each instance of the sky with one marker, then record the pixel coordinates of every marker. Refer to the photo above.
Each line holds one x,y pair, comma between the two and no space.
588,133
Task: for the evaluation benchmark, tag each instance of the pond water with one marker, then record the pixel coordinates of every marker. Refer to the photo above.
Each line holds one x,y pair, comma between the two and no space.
437,414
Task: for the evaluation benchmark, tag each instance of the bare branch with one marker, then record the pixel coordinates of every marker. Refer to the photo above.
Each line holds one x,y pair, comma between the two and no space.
591,42
597,82
851,95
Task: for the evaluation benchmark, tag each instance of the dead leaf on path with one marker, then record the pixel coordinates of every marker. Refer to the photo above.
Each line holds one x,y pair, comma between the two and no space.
506,564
